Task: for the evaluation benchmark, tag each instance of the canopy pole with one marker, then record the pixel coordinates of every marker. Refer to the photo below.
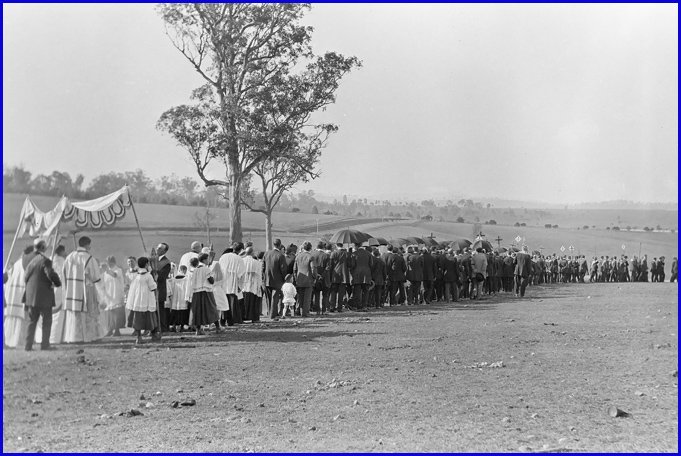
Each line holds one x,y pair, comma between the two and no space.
144,247
11,248
16,236
56,241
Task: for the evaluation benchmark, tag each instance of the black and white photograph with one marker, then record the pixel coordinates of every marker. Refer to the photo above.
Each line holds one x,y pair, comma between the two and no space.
340,228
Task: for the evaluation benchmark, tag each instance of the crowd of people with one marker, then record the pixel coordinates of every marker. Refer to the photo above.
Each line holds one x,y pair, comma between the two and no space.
80,299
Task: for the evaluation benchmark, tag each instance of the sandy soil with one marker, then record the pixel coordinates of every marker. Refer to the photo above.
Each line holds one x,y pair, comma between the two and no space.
394,379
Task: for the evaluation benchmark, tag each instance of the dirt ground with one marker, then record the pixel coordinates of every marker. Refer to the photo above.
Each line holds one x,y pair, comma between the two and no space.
391,380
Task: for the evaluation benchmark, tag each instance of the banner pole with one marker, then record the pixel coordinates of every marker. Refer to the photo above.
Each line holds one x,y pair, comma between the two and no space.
144,247
11,248
16,236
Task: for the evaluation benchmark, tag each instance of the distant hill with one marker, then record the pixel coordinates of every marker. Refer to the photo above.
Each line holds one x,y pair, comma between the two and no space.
509,203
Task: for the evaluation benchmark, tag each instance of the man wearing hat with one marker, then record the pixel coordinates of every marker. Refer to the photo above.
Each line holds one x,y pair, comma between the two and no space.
429,274
523,266
414,275
340,276
360,264
451,277
396,268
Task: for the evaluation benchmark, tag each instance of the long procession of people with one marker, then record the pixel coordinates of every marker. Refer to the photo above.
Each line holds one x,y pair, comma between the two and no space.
80,299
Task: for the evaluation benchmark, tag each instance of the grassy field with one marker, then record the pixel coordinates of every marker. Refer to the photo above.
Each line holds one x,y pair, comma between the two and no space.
574,218
497,375
175,225
165,216
587,242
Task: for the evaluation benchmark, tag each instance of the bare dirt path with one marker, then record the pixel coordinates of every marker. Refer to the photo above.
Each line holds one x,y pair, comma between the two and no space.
424,378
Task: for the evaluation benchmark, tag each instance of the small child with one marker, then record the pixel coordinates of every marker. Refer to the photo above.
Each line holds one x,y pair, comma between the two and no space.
142,302
289,291
179,307
204,310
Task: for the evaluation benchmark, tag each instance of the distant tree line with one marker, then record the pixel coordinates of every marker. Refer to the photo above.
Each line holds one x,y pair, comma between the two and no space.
166,190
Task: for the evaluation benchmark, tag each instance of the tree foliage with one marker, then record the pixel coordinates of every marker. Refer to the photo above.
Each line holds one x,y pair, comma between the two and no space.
263,83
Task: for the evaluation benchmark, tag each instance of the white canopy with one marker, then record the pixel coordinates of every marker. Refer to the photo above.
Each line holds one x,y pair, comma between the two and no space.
93,214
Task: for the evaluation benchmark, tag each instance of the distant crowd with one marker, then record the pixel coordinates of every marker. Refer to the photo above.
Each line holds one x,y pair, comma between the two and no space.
81,299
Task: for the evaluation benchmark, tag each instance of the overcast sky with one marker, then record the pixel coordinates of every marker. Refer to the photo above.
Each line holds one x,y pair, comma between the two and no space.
562,104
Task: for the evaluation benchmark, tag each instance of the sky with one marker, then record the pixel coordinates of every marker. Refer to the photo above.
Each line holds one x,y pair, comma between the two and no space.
555,103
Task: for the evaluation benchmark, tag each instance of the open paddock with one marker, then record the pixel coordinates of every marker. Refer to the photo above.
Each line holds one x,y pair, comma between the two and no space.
418,378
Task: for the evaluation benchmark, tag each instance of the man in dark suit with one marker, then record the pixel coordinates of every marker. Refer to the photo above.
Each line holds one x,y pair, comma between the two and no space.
323,285
340,276
523,268
163,271
439,283
275,272
361,262
414,275
378,275
384,257
397,268
305,278
39,299
429,274
451,277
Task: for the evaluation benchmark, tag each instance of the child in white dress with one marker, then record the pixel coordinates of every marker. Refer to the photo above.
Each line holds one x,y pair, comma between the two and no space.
289,291
142,302
179,307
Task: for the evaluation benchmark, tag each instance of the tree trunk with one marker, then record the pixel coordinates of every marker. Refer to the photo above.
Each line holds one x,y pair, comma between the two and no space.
268,230
235,233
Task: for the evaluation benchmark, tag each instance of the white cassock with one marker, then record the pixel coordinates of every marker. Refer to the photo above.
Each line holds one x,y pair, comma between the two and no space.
233,269
14,325
82,308
186,258
252,280
58,314
219,292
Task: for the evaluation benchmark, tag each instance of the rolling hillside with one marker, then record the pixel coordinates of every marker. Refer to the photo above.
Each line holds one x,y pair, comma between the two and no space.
176,226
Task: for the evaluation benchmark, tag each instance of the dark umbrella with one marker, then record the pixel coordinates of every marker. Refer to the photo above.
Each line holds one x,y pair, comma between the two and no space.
514,249
484,244
366,236
501,249
460,244
445,244
371,242
381,241
399,242
415,240
348,237
430,242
